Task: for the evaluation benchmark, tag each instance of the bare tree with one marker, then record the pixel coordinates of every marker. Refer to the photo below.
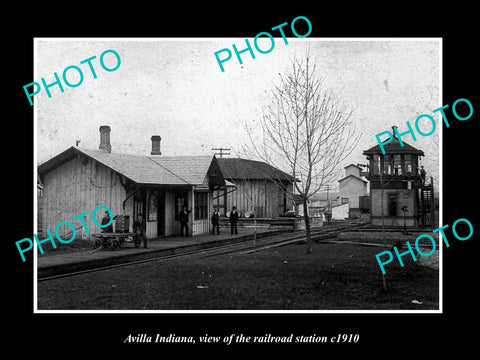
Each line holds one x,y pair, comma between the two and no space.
306,130
256,184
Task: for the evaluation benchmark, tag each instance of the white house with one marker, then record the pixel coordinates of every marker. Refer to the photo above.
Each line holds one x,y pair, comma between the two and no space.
352,186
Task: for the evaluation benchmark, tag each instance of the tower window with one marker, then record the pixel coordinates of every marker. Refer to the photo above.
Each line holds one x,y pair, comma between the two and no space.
397,164
408,163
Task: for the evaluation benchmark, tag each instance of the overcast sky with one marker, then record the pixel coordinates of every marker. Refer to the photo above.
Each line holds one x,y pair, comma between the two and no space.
174,88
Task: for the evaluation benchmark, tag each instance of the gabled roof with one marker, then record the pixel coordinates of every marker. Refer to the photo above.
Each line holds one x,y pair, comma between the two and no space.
353,177
393,147
238,168
191,169
141,169
350,165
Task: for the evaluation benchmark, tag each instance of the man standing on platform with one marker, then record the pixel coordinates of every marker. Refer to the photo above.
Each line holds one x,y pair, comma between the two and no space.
423,174
106,220
215,222
233,220
183,217
140,228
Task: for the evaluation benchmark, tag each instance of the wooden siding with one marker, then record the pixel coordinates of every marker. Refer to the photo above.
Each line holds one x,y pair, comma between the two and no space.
81,184
265,195
40,211
405,197
78,186
202,227
129,210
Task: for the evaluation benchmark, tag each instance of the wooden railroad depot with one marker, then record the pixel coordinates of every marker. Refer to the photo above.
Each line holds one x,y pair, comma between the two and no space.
155,185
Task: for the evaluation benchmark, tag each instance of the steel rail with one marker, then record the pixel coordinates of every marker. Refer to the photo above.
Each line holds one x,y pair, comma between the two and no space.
245,247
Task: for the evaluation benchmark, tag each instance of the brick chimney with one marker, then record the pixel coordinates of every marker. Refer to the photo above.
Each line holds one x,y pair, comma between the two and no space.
156,145
105,139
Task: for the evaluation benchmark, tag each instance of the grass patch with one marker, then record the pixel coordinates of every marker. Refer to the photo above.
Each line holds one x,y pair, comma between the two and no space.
335,276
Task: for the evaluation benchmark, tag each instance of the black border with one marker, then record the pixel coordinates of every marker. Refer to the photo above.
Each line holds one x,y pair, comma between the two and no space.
92,333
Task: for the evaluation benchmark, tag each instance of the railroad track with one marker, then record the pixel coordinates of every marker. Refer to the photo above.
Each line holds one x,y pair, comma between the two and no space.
245,247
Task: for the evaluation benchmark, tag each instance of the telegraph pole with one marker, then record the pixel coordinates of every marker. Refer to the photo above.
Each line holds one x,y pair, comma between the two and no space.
221,153
329,187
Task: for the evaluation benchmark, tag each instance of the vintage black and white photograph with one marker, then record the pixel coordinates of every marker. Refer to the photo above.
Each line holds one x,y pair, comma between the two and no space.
209,175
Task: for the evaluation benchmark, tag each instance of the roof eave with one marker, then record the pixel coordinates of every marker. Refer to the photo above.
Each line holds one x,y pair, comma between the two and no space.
356,177
376,151
56,161
66,155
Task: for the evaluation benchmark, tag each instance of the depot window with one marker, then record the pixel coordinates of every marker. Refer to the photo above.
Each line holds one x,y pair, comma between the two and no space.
201,205
388,164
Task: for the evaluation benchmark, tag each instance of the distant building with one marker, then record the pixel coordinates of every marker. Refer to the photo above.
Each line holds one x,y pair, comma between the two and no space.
298,206
351,187
78,180
399,195
340,212
253,186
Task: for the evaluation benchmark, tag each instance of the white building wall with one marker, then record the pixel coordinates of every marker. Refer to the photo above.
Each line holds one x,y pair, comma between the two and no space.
340,212
352,188
352,170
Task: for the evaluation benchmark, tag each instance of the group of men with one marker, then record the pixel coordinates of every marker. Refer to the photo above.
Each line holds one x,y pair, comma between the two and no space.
215,219
139,225
233,221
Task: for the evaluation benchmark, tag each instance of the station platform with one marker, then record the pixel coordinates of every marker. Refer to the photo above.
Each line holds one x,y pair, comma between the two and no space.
62,262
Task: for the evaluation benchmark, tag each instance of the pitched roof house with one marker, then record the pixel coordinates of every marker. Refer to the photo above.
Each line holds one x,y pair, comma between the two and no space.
352,186
259,188
78,180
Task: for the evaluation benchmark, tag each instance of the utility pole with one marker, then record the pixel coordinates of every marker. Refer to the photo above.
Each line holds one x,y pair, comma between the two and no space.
221,153
329,187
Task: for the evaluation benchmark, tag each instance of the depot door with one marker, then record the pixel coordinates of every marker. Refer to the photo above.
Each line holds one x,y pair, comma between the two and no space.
161,213
139,204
